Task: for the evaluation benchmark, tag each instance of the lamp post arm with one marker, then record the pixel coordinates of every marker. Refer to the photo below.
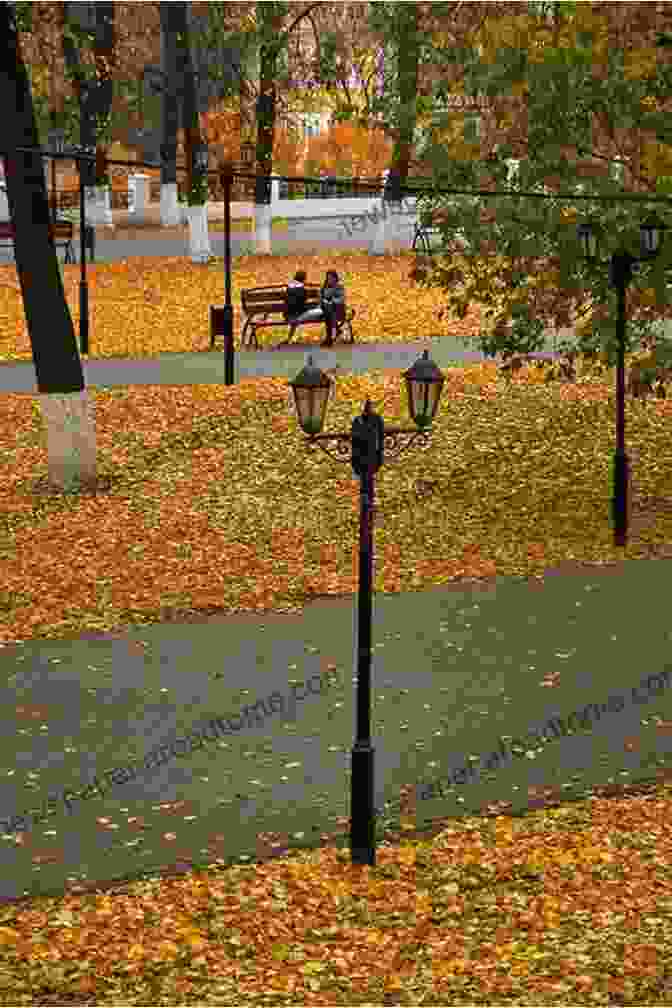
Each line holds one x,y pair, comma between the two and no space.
390,436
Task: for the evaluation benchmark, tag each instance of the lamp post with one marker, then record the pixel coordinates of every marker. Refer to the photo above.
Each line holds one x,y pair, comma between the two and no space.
201,159
247,150
311,389
620,275
85,162
56,138
225,314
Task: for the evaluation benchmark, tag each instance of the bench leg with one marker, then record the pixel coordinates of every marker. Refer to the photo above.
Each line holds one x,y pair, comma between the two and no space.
243,335
290,336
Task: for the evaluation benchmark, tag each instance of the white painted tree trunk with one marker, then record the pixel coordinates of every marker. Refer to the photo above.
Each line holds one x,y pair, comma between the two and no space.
71,440
199,239
263,221
98,201
172,214
387,237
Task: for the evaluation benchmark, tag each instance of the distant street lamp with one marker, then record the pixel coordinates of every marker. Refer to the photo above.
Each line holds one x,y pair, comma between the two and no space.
55,138
620,275
368,434
223,316
247,154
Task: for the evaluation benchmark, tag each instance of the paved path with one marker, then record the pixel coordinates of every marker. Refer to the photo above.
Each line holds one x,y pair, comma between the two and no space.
454,670
207,368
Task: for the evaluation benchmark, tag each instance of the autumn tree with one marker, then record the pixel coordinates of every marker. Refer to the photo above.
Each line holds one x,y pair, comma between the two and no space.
71,445
579,101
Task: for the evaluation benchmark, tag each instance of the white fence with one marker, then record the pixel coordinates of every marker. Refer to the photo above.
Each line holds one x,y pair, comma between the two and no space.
353,214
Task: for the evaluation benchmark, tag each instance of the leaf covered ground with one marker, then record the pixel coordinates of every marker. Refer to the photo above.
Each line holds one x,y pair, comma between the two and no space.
570,904
141,307
209,500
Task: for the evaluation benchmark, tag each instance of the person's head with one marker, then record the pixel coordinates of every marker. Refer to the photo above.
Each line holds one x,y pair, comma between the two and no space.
300,275
332,278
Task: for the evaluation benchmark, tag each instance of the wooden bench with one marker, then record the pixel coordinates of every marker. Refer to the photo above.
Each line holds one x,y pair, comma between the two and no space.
266,306
426,229
62,230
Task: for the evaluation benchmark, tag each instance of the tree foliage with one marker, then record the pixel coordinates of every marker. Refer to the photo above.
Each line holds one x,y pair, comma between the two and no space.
580,100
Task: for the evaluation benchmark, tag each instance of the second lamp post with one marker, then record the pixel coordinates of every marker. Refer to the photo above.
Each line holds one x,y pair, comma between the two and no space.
364,444
620,274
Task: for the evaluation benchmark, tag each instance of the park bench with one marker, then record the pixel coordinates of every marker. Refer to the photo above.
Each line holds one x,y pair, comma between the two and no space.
63,231
266,306
427,229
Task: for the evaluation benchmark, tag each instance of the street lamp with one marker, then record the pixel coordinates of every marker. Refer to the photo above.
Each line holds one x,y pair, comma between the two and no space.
222,317
201,159
311,389
247,154
56,138
620,275
85,167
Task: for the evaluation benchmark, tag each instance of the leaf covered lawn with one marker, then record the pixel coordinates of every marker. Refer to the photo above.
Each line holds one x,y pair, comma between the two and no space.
569,905
141,307
209,499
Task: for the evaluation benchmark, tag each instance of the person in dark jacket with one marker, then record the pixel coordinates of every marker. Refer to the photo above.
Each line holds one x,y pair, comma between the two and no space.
296,294
332,307
296,301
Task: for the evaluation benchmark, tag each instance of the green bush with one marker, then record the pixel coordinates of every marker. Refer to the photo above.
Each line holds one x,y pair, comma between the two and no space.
520,336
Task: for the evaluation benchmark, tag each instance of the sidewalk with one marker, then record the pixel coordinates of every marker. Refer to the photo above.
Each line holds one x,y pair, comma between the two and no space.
207,367
455,670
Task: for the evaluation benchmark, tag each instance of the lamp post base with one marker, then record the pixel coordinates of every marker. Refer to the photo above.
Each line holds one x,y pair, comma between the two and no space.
620,500
362,811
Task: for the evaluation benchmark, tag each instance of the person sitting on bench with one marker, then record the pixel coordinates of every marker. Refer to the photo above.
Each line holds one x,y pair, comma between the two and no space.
296,301
332,307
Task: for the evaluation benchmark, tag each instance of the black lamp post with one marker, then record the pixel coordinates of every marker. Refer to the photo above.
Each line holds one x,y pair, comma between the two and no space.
85,162
247,151
620,275
56,139
224,316
201,159
311,389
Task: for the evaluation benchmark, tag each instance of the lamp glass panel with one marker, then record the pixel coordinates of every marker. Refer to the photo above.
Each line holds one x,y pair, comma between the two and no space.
311,405
423,399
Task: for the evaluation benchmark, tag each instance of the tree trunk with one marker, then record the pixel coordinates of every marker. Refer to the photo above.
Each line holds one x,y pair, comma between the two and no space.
92,97
269,15
171,214
68,419
408,55
199,248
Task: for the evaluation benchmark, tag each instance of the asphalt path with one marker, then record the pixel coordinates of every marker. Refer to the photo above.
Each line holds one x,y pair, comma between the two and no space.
447,673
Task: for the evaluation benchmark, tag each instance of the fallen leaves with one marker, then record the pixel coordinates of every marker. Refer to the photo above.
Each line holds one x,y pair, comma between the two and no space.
209,498
205,509
141,307
556,906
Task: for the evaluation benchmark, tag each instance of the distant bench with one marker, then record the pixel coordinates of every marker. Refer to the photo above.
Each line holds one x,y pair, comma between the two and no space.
260,302
62,230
